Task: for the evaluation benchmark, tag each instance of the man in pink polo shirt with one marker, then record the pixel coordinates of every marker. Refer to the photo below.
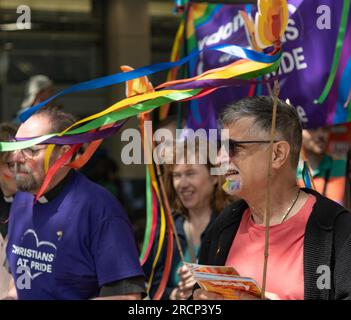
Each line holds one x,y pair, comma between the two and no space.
310,235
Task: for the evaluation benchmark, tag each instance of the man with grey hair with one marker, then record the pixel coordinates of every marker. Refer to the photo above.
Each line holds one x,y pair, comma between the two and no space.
309,236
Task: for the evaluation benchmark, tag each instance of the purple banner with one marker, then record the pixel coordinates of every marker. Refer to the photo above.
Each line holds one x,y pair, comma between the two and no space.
309,45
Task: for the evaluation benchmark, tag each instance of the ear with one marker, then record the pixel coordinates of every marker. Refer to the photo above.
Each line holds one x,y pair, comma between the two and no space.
63,150
281,154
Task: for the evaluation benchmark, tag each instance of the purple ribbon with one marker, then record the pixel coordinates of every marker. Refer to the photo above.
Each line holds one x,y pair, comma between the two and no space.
215,83
80,138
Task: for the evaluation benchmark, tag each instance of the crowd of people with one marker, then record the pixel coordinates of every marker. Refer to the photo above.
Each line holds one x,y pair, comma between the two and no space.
76,241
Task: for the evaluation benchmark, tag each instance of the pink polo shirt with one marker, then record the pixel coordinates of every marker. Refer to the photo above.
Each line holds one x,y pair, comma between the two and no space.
285,262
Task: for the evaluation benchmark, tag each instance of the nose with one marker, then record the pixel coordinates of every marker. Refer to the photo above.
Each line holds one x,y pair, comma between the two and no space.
184,181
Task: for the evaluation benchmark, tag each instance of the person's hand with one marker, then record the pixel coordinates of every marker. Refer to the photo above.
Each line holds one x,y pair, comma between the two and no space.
185,286
187,280
178,294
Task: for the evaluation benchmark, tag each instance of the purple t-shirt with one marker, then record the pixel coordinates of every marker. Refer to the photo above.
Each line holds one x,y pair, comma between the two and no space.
71,246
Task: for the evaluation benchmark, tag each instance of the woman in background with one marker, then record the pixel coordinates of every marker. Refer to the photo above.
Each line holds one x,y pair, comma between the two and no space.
196,198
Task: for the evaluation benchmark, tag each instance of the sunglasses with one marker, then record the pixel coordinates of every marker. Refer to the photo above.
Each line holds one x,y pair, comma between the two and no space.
235,145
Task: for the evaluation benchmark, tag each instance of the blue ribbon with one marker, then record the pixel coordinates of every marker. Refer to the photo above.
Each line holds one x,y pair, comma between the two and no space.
305,176
147,70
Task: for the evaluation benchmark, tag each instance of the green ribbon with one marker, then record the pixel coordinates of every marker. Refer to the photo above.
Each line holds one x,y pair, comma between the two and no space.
148,215
337,52
12,146
128,112
255,74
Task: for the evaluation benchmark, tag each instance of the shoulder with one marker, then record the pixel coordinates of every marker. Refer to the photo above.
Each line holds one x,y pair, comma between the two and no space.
232,212
89,195
92,191
178,219
231,215
327,213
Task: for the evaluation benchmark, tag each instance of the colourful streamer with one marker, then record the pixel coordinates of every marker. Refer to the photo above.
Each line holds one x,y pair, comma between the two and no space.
162,232
144,71
55,167
105,118
149,221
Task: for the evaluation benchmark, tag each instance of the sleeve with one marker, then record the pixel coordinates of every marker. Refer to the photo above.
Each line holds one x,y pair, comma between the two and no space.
114,250
123,287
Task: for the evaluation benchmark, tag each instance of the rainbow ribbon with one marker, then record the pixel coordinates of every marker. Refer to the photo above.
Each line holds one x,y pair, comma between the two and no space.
132,106
120,77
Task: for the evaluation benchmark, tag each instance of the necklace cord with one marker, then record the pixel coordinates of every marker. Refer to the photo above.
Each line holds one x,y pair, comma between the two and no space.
287,213
289,209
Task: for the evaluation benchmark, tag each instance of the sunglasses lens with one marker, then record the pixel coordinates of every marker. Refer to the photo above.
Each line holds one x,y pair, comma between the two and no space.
230,147
233,148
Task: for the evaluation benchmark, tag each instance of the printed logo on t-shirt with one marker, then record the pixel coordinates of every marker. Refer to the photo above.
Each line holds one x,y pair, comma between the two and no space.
34,258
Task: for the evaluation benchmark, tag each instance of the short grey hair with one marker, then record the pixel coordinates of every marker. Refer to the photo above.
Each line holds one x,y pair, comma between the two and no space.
288,125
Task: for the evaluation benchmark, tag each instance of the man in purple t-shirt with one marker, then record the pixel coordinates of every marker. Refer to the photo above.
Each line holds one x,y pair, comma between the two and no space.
76,242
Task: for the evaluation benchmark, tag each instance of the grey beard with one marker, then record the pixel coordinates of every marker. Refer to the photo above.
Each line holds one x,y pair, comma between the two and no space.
26,184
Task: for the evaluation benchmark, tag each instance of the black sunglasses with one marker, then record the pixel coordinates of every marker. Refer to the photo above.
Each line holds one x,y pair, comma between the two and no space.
235,145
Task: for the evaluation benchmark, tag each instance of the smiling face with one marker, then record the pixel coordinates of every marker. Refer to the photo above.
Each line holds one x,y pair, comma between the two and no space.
194,185
248,166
